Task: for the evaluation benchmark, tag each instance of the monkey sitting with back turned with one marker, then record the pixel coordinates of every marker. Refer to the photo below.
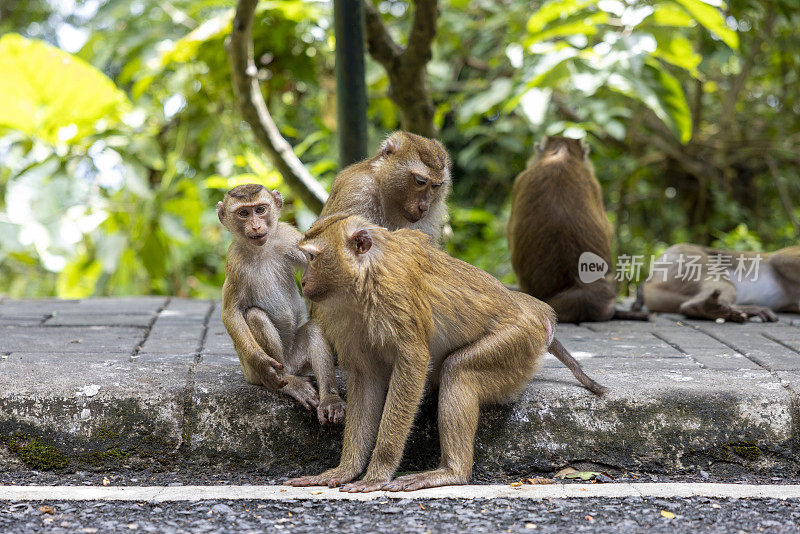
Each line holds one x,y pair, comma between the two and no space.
557,216
262,309
400,314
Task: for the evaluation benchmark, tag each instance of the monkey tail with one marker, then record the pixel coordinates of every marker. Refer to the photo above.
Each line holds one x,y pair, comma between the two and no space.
558,350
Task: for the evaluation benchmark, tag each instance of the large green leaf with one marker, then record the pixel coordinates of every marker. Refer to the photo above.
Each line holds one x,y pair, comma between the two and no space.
712,19
50,94
554,10
661,92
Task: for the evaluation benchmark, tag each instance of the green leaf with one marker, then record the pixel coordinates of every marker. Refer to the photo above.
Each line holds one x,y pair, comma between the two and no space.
485,100
712,19
78,279
50,94
580,25
660,91
187,48
153,253
554,10
676,49
669,15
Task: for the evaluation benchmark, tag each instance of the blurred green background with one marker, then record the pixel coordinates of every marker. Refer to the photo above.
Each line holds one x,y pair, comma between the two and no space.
119,132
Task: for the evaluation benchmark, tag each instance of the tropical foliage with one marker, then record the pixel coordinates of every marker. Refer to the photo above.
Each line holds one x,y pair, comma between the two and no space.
119,132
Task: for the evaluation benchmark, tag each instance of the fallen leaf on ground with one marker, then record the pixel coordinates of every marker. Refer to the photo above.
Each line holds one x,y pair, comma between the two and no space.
667,515
589,518
316,493
564,472
46,509
590,475
516,484
106,482
716,506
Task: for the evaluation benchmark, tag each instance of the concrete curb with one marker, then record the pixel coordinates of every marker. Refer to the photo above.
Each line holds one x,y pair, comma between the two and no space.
153,382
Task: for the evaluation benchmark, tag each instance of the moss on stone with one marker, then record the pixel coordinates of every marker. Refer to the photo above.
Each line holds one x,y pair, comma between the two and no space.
748,451
34,453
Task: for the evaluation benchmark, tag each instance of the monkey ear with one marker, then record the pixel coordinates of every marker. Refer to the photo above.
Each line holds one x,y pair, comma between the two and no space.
388,147
361,241
276,195
221,211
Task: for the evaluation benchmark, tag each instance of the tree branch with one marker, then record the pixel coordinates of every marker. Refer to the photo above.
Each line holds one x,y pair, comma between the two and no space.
423,30
405,67
380,44
254,110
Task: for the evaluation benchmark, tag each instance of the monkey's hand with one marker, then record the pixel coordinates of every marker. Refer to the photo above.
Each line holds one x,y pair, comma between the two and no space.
267,371
331,410
333,478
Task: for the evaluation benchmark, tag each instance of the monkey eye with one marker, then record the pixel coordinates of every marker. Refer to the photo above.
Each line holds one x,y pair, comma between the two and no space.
261,209
437,185
420,180
242,212
311,256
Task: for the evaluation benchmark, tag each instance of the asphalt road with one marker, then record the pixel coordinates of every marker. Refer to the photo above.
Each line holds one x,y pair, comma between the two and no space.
402,515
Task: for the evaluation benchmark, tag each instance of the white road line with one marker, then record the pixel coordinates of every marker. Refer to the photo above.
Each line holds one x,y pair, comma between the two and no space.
549,491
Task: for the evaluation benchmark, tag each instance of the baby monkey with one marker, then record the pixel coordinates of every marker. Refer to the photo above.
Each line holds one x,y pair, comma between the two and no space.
402,314
262,309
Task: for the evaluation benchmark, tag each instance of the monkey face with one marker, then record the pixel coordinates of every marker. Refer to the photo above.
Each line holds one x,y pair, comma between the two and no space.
423,191
253,216
335,247
419,173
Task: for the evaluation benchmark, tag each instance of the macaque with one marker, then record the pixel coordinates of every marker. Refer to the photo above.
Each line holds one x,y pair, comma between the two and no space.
262,308
404,185
557,215
707,283
403,315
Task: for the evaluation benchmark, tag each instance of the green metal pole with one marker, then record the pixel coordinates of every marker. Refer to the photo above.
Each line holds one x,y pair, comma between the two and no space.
351,87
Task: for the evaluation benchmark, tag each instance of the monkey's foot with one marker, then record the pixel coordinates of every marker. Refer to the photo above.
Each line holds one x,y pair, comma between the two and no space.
711,308
331,478
302,390
331,410
364,486
426,479
765,314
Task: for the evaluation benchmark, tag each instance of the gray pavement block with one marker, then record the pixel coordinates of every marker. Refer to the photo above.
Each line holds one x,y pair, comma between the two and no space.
186,310
758,347
52,340
73,318
174,338
217,339
723,359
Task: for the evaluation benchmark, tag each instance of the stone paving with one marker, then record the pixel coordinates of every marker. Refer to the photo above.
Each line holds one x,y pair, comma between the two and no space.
137,381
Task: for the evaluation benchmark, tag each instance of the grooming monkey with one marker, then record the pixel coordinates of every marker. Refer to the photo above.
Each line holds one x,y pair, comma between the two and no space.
262,309
707,283
401,313
404,185
557,214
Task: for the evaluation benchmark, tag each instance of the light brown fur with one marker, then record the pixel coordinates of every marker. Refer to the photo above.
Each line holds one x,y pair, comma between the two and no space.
675,289
404,185
403,315
557,214
262,309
